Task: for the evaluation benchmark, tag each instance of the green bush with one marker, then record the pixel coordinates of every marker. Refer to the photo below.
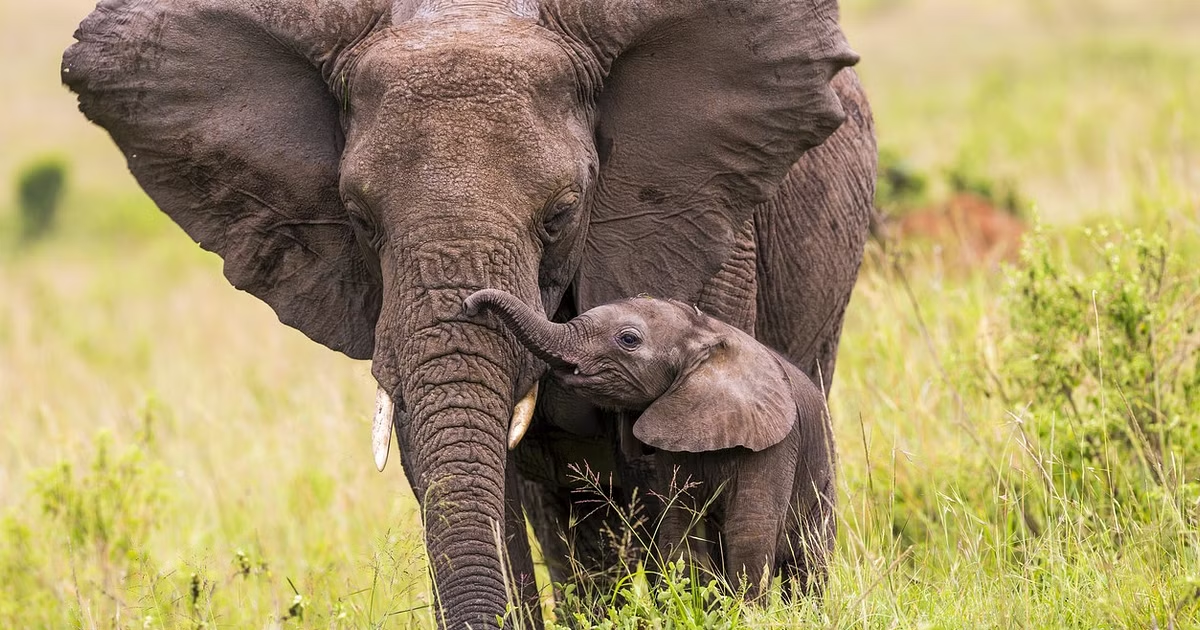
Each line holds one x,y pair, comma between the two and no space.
965,179
97,521
110,509
683,597
900,185
40,188
1104,366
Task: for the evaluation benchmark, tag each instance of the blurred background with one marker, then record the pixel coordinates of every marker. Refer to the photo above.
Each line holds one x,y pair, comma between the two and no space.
1017,399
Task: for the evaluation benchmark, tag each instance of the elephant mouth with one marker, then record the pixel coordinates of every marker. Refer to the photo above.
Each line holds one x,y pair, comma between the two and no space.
571,375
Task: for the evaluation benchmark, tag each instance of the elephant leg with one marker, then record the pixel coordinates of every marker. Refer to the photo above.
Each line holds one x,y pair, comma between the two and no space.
750,541
756,512
574,489
810,240
580,535
808,546
677,533
680,526
522,582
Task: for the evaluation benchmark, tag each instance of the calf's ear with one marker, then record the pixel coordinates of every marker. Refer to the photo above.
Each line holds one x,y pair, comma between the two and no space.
737,394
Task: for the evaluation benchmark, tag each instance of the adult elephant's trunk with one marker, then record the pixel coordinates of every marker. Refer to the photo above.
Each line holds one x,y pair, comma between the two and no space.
458,381
557,344
454,451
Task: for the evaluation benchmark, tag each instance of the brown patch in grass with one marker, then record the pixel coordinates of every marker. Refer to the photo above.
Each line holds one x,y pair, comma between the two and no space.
969,229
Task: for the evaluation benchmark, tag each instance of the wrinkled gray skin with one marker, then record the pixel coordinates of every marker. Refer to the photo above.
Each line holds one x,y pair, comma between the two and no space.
724,412
362,166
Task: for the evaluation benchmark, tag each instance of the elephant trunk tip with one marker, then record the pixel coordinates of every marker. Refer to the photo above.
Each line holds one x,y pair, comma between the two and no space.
550,342
479,300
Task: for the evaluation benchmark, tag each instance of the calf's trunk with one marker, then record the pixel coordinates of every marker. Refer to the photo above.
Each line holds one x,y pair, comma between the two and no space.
556,344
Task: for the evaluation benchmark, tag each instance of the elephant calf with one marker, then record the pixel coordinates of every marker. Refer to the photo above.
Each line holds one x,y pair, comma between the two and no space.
740,434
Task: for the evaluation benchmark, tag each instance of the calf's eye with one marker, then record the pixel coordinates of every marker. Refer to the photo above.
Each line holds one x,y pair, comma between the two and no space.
629,339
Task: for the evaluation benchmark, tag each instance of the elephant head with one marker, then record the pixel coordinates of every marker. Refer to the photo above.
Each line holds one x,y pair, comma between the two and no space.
364,165
699,384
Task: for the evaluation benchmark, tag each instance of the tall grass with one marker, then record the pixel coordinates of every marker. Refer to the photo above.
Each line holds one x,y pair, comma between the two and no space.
173,457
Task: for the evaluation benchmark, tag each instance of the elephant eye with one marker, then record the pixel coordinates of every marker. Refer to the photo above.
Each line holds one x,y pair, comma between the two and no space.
559,215
361,225
629,339
364,227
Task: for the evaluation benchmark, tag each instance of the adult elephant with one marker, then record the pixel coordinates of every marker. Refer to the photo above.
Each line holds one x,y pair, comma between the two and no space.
362,166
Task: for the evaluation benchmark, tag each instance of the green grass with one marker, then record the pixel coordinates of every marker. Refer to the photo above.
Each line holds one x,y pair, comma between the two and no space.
173,457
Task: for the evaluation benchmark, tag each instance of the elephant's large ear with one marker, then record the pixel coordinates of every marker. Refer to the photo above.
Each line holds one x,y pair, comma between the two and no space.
739,394
705,106
224,111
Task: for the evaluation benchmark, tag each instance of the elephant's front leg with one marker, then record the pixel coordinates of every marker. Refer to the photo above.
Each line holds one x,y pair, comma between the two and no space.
680,535
756,510
750,541
573,519
521,581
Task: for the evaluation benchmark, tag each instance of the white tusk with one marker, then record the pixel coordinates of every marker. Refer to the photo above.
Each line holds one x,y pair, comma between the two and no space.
522,417
381,431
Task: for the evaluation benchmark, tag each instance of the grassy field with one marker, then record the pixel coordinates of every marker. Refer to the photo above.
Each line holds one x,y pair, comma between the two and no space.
1017,449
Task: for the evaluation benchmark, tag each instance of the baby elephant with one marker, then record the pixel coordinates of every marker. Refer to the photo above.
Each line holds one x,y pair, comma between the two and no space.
746,427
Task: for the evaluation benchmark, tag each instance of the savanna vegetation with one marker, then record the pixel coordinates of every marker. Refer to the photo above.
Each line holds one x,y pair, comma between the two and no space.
1019,444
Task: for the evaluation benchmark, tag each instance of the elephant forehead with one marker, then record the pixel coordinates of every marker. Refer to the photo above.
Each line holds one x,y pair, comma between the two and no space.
643,313
660,309
427,63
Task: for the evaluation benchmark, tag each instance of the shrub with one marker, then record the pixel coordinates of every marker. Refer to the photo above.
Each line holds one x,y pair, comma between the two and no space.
39,191
1104,365
109,510
900,185
965,179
